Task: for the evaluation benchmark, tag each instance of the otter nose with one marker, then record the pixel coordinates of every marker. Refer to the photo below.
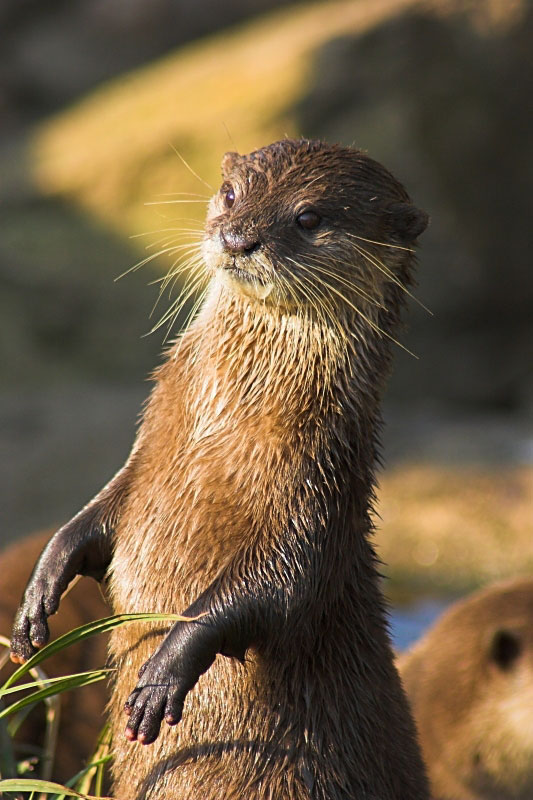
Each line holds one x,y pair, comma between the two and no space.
237,243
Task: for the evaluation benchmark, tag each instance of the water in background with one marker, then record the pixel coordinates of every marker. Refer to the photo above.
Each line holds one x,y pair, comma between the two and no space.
407,624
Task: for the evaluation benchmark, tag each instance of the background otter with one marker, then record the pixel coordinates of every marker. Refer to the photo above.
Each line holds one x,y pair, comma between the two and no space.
81,710
247,498
470,684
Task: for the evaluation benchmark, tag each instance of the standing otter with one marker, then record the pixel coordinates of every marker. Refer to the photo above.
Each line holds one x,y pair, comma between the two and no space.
470,684
247,499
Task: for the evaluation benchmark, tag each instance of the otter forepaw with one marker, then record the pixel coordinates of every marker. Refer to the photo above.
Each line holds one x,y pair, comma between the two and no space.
148,706
30,629
166,678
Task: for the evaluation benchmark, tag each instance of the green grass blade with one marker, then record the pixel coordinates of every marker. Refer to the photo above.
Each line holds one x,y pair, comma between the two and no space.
99,760
83,632
21,687
8,765
99,777
70,682
78,777
44,787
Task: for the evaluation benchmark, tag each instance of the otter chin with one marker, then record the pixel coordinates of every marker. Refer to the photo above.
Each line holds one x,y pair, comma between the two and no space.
246,505
245,283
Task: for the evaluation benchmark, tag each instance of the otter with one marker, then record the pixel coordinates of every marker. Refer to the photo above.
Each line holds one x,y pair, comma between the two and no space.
81,710
246,505
470,684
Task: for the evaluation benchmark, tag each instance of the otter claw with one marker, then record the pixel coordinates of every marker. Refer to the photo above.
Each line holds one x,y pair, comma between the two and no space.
30,630
147,707
16,659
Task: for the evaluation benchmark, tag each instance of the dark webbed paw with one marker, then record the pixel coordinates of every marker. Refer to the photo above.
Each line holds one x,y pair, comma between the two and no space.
148,705
30,629
166,678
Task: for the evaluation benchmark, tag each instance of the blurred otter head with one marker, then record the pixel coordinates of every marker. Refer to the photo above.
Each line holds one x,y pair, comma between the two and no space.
470,684
312,227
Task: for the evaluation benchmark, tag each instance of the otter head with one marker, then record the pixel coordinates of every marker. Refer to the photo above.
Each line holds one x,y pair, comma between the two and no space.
307,225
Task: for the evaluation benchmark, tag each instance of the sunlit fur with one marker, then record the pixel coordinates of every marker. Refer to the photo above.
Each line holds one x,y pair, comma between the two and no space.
258,447
475,714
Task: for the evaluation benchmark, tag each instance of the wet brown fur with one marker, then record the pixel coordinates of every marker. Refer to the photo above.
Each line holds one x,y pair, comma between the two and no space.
255,462
265,414
470,684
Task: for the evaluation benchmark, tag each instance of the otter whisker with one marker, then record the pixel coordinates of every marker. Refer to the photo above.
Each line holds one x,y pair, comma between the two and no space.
183,262
316,258
325,310
189,318
324,302
191,288
184,240
344,281
188,194
382,244
322,306
318,303
179,268
381,267
144,261
181,299
177,234
186,164
153,256
200,229
384,269
175,247
320,346
299,341
188,321
195,307
171,202
370,322
182,253
182,245
173,274
289,292
175,308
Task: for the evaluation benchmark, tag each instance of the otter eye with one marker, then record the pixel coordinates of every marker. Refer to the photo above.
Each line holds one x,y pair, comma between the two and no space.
506,649
308,220
229,196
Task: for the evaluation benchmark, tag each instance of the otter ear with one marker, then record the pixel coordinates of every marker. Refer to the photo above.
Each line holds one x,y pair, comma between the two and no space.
405,221
505,649
228,163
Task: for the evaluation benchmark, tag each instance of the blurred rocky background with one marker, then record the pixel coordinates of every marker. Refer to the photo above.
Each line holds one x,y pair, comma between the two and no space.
96,96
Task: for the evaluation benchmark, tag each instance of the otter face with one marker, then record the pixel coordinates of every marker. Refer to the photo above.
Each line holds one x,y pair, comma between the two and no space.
303,224
503,758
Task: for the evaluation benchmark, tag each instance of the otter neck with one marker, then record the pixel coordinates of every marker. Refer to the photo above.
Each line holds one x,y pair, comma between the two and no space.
262,360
